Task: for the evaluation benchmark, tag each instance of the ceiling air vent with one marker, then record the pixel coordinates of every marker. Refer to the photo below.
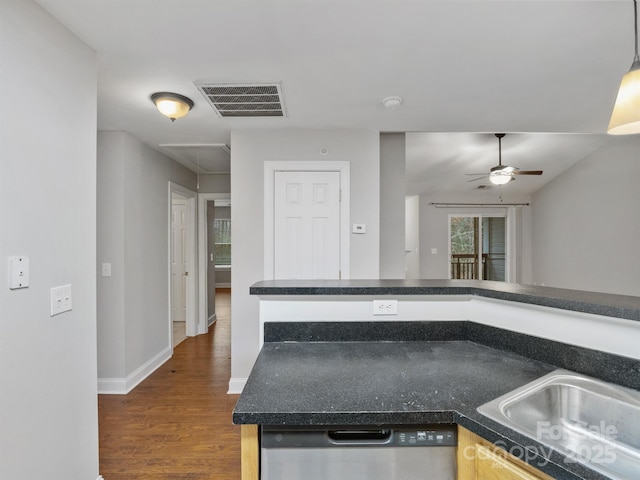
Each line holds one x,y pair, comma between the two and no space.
244,100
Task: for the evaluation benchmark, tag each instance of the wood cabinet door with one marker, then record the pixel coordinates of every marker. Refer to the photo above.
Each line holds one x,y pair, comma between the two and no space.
479,459
491,466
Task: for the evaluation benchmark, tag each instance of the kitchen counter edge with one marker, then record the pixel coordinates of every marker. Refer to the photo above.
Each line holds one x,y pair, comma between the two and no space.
597,303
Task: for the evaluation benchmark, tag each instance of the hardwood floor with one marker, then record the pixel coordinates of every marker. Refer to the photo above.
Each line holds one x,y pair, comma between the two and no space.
177,423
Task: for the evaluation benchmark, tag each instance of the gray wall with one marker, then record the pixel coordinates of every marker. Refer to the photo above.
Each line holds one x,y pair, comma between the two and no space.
48,407
110,248
393,186
249,151
133,206
586,225
219,183
223,278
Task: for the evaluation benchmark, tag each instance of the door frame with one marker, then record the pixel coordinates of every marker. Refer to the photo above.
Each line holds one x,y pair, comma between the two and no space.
203,198
270,169
191,295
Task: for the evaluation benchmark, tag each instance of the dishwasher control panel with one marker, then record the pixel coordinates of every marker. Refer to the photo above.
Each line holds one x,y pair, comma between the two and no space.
424,437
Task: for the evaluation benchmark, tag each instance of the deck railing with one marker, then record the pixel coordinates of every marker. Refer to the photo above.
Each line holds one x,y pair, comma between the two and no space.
464,266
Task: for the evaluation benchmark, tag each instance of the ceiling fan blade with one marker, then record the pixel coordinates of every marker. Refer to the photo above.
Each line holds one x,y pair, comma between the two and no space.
479,178
475,173
527,172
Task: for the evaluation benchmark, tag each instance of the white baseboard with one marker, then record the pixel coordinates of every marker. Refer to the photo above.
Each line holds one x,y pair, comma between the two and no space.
112,386
236,385
122,386
212,319
223,285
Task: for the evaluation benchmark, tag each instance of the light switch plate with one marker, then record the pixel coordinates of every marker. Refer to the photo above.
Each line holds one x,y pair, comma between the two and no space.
60,299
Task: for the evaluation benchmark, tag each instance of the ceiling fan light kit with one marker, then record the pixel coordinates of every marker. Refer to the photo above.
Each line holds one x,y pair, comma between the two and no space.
172,105
503,174
500,178
625,119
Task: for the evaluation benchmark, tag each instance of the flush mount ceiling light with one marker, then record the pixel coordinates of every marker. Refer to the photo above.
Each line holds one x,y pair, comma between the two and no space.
392,102
625,118
172,105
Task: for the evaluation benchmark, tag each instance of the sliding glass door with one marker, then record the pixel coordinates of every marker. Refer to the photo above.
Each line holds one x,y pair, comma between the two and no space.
478,247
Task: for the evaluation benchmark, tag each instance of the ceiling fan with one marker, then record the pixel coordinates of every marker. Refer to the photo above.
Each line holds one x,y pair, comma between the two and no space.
501,174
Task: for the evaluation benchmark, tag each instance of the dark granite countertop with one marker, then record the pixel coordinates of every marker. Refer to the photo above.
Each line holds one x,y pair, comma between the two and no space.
620,306
303,380
334,383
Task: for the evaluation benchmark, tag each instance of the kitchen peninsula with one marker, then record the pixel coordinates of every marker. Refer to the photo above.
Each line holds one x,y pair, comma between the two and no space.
440,350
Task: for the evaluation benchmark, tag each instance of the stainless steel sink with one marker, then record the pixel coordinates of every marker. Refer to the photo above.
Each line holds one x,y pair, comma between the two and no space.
588,420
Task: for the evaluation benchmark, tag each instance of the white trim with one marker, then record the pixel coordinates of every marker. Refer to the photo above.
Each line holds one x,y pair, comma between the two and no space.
449,246
203,322
112,386
191,298
122,386
270,169
511,248
236,385
211,320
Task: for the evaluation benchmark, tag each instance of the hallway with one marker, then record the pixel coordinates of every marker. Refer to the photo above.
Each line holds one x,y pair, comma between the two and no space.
176,425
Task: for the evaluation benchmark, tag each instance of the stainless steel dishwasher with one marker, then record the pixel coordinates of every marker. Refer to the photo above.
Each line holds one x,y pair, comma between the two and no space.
346,453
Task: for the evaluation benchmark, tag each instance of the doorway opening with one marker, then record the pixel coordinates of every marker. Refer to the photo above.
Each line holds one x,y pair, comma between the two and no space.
478,247
214,246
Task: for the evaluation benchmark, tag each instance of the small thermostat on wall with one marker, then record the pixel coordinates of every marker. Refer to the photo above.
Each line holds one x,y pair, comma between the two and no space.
359,228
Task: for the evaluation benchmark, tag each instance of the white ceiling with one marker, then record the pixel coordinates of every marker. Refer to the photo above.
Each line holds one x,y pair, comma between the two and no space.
439,162
460,66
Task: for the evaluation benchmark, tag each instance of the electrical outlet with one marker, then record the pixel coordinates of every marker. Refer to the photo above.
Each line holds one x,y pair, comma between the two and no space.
385,307
60,299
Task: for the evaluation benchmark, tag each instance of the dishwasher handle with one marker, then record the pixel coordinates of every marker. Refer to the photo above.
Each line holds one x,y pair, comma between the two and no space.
357,437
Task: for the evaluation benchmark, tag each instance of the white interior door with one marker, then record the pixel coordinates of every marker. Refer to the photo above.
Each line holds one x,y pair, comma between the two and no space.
307,225
178,260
